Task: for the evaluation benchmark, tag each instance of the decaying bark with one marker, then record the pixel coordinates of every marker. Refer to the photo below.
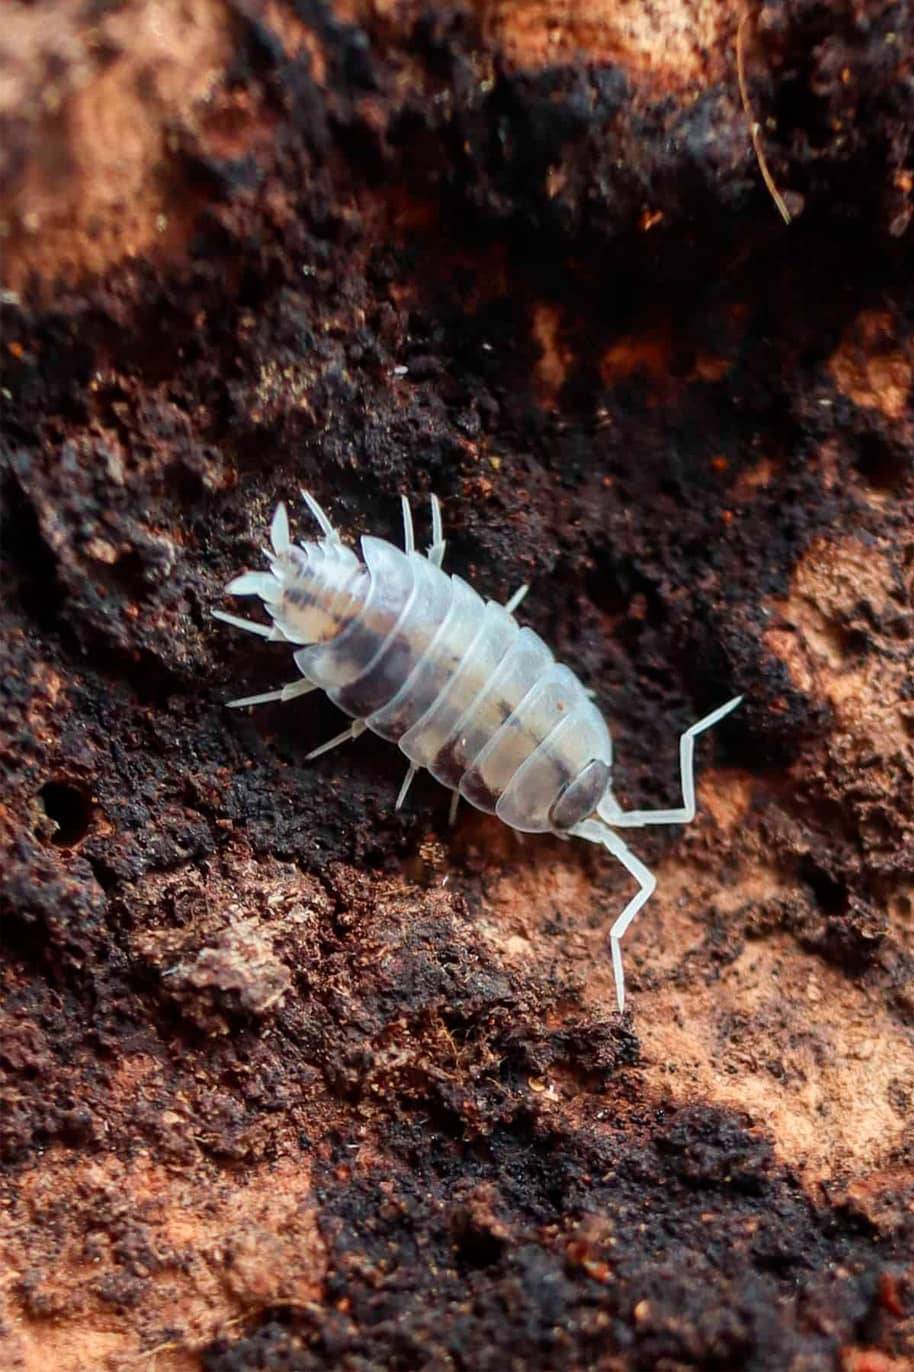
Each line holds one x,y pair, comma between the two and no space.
288,1080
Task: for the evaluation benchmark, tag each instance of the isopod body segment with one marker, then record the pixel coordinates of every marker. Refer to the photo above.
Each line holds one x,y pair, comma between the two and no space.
418,657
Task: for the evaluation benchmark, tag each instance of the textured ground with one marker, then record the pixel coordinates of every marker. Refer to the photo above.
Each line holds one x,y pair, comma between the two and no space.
287,1080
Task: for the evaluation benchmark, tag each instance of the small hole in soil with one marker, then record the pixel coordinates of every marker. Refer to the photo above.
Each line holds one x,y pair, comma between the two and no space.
69,808
478,1248
883,466
606,593
831,895
624,596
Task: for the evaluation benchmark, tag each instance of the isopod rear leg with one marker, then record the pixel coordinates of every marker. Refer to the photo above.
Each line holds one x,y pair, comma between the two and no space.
409,539
355,728
452,809
596,832
684,813
438,543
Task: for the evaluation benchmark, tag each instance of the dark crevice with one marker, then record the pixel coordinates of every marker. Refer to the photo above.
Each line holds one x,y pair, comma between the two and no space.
69,808
35,566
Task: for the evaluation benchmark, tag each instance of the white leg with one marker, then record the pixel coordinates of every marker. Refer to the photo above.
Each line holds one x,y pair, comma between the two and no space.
452,811
264,630
279,530
512,604
327,528
407,782
355,728
302,687
409,541
596,832
438,545
684,813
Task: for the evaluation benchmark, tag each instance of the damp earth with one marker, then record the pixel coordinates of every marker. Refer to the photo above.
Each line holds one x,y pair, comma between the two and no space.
290,1080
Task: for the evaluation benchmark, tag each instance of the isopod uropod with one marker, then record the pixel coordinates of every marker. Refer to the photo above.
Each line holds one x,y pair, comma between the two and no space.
416,656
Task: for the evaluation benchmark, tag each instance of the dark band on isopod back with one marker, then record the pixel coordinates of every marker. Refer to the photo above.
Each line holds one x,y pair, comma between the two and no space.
472,786
374,688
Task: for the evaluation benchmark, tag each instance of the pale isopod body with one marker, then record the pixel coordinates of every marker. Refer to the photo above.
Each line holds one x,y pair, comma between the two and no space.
419,658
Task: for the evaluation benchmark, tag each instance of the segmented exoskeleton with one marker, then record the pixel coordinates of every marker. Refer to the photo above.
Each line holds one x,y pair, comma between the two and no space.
416,656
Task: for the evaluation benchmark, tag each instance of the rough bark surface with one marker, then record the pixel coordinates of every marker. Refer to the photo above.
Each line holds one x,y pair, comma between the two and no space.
289,1080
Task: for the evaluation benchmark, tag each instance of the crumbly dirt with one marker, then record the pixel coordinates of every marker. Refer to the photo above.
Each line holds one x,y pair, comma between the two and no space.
291,1080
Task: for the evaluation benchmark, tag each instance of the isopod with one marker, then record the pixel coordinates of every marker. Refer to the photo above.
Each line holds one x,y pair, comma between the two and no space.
418,657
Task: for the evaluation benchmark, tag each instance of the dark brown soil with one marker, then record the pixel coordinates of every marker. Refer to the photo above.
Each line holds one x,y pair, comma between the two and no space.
289,1080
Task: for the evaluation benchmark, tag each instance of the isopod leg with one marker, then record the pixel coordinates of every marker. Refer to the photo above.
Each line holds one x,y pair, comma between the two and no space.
596,832
512,604
452,809
355,728
326,527
294,689
438,544
409,540
407,782
249,625
684,813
